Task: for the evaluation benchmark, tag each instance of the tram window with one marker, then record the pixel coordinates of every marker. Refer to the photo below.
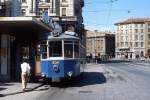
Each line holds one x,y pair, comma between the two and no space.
76,50
43,51
68,49
55,49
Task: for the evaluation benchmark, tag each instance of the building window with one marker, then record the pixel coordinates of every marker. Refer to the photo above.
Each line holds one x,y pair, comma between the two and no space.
121,37
47,1
142,37
63,11
23,11
24,1
126,38
136,44
136,30
142,53
141,25
41,10
142,31
142,44
117,44
121,44
148,42
148,29
64,0
126,44
148,36
130,44
136,37
136,25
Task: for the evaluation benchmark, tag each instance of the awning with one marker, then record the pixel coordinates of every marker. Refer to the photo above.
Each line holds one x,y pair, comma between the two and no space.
22,26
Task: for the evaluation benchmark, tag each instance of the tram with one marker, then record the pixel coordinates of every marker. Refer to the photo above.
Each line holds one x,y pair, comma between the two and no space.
62,56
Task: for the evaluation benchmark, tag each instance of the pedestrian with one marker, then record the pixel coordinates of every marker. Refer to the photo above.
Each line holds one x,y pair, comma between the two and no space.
25,73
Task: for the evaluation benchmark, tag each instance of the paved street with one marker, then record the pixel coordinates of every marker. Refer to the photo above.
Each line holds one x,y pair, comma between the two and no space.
114,80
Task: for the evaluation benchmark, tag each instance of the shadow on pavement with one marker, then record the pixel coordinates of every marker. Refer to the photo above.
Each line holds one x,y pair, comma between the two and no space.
92,78
113,61
2,88
27,90
5,84
87,78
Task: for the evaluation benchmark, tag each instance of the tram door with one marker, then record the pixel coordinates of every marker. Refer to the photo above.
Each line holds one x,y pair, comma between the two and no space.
37,62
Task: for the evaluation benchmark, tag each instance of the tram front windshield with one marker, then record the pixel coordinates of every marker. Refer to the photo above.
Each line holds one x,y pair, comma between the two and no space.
55,48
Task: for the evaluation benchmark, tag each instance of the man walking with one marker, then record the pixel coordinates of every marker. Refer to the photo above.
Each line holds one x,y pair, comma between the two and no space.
25,68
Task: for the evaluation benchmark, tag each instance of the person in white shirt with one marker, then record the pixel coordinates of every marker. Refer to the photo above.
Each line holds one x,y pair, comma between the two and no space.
25,72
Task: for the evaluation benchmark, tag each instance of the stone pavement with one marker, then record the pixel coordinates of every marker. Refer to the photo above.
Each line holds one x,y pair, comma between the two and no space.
13,88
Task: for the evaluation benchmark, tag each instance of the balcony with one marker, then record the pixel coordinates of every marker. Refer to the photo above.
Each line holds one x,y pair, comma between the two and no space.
65,18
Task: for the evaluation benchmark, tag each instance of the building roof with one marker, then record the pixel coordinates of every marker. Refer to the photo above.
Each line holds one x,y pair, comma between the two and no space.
134,20
98,34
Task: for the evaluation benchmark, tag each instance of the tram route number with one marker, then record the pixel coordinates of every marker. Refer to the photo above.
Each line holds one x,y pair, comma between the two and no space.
55,62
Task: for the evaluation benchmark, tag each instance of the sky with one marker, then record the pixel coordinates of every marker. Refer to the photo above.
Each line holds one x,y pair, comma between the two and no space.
102,14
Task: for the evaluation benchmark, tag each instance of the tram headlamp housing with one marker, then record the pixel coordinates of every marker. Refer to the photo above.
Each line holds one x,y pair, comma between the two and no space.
43,75
70,73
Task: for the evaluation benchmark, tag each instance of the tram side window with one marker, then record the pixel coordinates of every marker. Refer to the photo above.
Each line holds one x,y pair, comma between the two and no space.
76,50
55,48
43,51
68,49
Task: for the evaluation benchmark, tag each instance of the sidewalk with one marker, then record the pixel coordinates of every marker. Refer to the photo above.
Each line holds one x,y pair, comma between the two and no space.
13,88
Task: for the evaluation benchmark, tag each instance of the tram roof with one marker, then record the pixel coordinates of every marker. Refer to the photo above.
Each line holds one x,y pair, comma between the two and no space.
63,36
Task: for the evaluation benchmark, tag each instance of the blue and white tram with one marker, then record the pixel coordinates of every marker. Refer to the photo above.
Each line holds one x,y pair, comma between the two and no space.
61,57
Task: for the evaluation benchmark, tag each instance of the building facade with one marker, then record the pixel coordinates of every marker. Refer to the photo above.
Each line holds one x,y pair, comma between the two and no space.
100,45
5,8
133,38
68,13
19,35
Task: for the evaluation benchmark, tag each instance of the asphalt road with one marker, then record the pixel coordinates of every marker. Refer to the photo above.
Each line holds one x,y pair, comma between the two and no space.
115,80
130,80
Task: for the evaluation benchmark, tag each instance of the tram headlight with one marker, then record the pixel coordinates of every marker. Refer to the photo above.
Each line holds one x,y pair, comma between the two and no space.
43,75
56,68
70,73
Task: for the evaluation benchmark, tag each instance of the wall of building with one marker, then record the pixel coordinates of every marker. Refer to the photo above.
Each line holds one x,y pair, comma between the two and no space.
5,57
132,40
100,44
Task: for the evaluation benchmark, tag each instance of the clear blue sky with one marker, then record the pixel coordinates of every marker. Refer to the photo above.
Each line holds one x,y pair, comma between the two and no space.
102,14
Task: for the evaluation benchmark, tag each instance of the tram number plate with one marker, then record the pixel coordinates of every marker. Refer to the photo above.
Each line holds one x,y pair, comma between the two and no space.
55,62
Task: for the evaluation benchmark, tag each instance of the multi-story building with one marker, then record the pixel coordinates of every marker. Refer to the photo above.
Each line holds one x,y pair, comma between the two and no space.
100,44
67,12
5,8
133,38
